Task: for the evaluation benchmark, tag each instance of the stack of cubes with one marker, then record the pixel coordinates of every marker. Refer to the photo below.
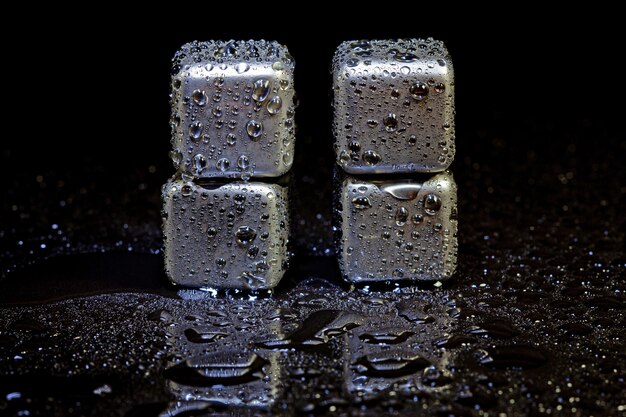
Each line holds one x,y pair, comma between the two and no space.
395,207
225,213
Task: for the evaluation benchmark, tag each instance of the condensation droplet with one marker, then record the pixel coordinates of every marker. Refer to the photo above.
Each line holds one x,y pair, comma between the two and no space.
242,67
222,164
254,130
402,215
432,204
418,90
199,97
199,162
260,90
391,122
371,158
195,130
244,235
361,203
243,162
186,190
274,105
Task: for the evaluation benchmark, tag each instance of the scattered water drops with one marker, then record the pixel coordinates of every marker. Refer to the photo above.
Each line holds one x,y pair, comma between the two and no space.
391,122
371,158
222,164
242,67
195,130
361,203
274,105
199,97
260,90
245,235
243,162
432,204
254,130
402,214
418,90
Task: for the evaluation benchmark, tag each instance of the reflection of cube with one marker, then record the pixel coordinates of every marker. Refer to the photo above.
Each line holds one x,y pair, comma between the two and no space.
231,235
212,358
394,106
397,229
232,109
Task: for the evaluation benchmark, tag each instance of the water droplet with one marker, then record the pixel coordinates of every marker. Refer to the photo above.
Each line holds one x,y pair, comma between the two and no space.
372,123
231,139
405,57
418,90
222,164
195,130
371,158
352,62
186,190
254,129
287,158
391,122
211,232
440,88
243,162
361,203
242,67
274,105
354,146
199,97
405,70
402,215
260,90
199,162
177,157
432,204
417,218
244,235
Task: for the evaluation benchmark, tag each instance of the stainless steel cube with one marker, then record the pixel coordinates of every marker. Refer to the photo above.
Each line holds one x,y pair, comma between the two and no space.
392,229
231,235
232,109
394,106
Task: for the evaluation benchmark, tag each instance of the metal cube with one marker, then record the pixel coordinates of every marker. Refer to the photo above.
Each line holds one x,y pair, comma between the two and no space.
393,106
391,229
232,109
231,235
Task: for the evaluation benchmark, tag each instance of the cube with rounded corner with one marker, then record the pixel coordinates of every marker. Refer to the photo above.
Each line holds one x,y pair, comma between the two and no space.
393,106
391,229
232,109
231,235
